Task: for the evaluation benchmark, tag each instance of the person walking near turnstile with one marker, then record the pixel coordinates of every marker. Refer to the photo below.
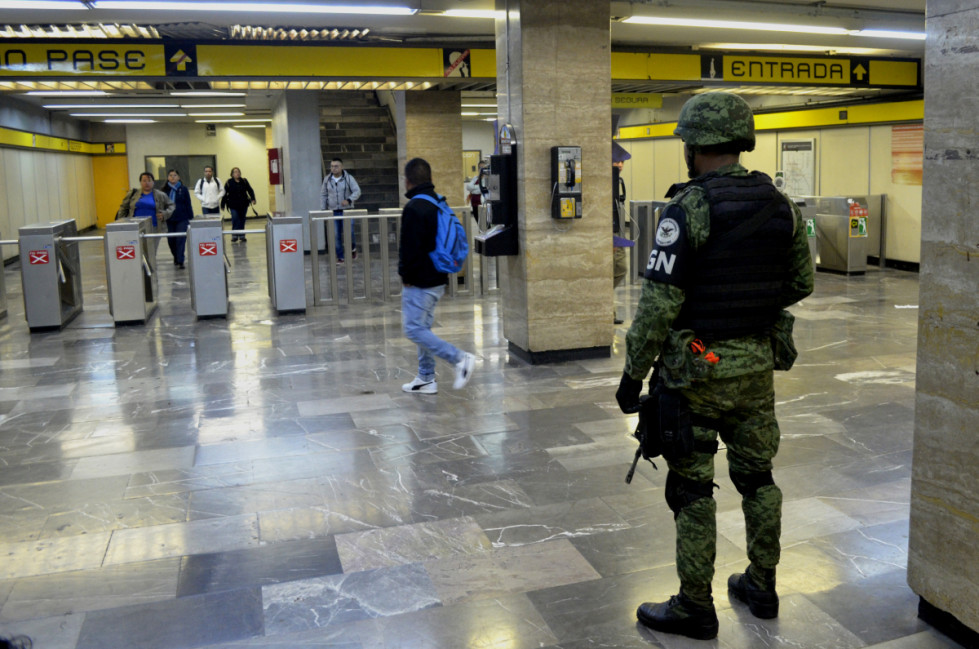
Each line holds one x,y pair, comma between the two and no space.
147,202
182,214
339,191
209,191
238,195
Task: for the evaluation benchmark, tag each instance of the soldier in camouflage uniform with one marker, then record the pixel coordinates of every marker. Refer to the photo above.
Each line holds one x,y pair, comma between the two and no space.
712,311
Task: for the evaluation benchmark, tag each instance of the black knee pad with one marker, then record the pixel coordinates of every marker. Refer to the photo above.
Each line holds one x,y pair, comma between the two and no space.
681,492
748,483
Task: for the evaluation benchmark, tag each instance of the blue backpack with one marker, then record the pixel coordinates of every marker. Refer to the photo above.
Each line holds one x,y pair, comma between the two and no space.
451,247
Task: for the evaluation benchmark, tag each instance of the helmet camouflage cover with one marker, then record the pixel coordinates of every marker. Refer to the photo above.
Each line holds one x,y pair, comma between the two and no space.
715,118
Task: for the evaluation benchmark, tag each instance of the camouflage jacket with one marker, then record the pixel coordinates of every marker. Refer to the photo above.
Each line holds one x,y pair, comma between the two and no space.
651,333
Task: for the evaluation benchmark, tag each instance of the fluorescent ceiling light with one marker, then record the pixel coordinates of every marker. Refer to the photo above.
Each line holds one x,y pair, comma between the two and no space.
214,114
41,4
472,13
93,106
264,7
733,24
885,33
206,93
785,47
129,121
236,121
67,93
248,126
128,114
212,105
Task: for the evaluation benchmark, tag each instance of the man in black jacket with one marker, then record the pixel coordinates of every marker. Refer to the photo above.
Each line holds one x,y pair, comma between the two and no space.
424,285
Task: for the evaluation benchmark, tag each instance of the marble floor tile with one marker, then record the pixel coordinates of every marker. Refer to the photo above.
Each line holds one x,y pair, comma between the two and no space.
336,599
505,570
176,539
179,623
410,544
570,520
47,556
50,633
79,591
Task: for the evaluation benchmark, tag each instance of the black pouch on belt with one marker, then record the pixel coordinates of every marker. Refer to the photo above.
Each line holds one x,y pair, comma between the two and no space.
675,426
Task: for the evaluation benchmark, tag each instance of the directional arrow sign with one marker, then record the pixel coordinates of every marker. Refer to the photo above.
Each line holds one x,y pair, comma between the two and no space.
181,59
859,72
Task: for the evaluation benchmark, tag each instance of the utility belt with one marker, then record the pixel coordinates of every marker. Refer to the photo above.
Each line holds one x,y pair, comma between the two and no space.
666,428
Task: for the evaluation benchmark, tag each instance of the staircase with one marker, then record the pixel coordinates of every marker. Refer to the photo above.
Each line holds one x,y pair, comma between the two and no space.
357,129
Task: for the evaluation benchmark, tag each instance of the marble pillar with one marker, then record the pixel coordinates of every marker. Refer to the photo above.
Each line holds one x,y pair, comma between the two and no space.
943,559
554,86
296,130
432,129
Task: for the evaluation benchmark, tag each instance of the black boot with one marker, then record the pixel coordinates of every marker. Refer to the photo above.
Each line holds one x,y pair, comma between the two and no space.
762,602
679,616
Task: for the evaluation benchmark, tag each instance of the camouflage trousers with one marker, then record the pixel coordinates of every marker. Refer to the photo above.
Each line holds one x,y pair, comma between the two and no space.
746,407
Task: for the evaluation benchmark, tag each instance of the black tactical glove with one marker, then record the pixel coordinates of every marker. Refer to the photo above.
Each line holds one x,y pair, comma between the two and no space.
628,394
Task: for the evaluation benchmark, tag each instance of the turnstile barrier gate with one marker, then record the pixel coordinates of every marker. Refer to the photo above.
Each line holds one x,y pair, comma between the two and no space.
50,271
286,263
208,268
130,270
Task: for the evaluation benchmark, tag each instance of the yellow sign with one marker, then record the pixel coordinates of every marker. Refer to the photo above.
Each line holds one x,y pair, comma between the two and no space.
762,69
636,100
60,59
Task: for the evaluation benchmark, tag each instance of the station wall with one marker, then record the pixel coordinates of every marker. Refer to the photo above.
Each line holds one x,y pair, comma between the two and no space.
41,186
231,147
850,160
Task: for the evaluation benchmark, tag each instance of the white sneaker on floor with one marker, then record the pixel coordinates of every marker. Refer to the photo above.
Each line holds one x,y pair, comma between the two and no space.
464,371
418,386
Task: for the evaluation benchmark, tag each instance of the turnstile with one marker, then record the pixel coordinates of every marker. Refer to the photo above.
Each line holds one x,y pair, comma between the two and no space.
130,270
286,264
50,270
807,205
644,216
3,290
208,268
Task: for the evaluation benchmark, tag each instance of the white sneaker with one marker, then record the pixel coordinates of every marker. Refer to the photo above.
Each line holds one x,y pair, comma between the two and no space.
418,386
464,371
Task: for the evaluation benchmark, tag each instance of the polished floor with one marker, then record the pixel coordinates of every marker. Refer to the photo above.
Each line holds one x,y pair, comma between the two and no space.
262,481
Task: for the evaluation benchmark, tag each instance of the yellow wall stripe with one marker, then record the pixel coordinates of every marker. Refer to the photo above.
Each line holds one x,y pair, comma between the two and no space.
899,111
10,137
672,67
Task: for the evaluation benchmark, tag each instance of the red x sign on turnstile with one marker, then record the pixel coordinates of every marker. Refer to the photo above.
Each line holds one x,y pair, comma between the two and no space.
207,248
288,245
125,252
39,257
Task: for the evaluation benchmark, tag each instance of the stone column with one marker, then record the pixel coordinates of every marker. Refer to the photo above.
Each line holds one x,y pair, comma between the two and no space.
554,86
296,129
943,560
431,128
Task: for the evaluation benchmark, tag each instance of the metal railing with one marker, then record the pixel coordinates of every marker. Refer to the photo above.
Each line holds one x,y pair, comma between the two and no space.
379,281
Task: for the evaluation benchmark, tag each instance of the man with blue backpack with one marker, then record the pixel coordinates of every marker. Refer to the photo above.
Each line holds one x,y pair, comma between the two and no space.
433,244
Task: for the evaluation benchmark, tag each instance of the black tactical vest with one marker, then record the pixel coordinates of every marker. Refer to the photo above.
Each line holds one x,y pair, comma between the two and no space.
735,291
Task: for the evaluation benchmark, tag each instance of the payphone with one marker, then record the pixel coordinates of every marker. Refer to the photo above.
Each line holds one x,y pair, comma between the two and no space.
501,210
566,176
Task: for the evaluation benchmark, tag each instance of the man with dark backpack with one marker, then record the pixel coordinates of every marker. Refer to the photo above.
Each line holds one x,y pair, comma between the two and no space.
430,249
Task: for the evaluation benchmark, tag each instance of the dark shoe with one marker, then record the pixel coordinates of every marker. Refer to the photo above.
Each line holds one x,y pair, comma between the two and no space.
180,266
681,617
242,239
762,602
353,255
617,320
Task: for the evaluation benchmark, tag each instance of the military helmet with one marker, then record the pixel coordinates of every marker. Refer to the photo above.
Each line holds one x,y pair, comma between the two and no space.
715,118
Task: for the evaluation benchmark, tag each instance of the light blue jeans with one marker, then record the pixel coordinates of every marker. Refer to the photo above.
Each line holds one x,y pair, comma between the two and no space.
417,314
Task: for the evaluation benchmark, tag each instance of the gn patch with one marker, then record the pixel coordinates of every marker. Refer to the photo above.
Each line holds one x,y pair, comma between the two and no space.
668,258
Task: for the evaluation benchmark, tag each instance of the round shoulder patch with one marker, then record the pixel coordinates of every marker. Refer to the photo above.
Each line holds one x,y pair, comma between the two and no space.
667,233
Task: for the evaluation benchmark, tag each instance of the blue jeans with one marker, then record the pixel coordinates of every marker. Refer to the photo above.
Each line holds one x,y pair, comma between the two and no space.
417,314
238,221
339,229
177,244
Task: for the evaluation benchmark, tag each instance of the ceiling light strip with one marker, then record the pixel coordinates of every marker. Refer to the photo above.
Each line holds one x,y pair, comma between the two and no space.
256,7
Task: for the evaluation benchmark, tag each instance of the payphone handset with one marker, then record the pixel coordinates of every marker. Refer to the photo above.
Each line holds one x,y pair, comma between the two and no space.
566,179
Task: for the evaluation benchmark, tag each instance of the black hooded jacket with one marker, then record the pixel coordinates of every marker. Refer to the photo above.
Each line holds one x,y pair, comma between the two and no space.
419,225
